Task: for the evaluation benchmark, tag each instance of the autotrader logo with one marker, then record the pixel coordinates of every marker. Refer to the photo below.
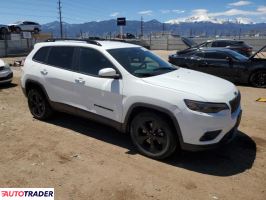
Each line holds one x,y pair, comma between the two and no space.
26,193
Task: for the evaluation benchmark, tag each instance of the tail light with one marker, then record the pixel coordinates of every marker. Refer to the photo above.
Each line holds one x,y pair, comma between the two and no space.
247,49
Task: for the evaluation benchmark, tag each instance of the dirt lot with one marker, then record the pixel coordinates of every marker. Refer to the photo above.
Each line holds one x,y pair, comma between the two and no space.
84,160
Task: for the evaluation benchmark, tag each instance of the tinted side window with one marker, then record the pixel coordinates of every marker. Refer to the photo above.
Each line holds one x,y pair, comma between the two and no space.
219,44
214,55
92,61
41,54
61,57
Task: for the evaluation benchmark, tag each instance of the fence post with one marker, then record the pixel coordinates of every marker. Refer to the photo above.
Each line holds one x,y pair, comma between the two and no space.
167,43
150,41
6,45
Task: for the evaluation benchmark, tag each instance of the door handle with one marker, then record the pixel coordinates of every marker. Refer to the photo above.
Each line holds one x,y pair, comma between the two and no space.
79,80
44,72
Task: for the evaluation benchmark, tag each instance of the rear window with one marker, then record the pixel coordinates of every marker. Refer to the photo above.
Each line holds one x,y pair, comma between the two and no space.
41,54
61,57
220,44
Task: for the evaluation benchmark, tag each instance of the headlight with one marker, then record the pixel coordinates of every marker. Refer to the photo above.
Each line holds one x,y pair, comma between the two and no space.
205,107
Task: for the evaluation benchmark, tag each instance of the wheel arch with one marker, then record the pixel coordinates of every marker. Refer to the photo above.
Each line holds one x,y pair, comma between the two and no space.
255,71
142,107
35,84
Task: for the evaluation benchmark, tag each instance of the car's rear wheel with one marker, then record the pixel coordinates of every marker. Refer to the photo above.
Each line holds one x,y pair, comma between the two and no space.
152,135
17,30
38,105
3,31
36,30
258,79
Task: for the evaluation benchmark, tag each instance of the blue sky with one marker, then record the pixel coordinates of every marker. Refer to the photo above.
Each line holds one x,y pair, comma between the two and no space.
78,11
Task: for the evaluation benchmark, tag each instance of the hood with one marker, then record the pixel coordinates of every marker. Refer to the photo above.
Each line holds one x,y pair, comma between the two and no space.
208,87
189,42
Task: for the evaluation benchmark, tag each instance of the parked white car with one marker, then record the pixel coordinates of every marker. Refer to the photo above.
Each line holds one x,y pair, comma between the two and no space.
25,26
128,87
6,73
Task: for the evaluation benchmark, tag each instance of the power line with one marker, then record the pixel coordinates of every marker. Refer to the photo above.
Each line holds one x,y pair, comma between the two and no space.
60,18
141,27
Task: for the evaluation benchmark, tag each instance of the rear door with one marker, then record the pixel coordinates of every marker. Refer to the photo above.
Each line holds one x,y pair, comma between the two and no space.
58,74
102,96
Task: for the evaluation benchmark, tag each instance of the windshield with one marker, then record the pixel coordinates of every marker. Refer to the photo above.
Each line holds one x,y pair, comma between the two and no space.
238,56
141,62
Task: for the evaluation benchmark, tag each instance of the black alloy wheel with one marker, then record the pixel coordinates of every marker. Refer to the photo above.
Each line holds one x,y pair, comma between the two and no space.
38,105
153,136
258,79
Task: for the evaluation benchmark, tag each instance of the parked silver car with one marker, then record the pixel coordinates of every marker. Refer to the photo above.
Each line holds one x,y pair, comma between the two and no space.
6,73
3,29
25,26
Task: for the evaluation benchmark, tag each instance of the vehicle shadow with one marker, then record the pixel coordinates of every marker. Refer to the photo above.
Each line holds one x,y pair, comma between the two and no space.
231,159
7,86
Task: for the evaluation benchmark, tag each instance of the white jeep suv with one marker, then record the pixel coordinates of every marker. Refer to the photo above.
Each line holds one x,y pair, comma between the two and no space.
162,106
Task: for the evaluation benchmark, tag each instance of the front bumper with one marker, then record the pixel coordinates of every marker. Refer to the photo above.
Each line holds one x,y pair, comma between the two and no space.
227,138
6,76
193,125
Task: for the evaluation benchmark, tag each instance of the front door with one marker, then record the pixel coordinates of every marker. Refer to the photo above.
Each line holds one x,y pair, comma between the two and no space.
102,96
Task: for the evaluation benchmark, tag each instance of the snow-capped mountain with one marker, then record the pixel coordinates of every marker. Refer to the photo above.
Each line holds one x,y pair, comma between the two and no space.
205,18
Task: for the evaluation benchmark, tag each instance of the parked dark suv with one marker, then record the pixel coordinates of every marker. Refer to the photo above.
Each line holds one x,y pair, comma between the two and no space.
235,45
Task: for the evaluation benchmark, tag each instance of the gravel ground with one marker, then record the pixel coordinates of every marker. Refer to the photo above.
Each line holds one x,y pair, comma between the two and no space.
84,160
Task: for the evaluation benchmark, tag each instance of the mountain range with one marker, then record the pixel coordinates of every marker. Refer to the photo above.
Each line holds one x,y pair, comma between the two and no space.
193,26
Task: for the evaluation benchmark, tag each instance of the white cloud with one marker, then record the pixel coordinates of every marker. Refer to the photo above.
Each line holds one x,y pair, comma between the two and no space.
172,11
261,10
178,11
240,3
145,12
115,14
165,11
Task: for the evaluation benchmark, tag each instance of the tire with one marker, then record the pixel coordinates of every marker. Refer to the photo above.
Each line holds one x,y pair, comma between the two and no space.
258,79
152,135
38,105
36,31
3,31
17,29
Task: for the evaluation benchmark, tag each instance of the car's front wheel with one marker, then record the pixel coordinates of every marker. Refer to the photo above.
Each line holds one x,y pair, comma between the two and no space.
38,105
258,79
152,135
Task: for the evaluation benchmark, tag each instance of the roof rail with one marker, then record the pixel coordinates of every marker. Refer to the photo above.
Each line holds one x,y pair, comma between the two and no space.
70,39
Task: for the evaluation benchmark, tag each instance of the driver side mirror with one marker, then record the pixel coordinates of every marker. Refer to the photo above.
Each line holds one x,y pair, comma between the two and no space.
108,73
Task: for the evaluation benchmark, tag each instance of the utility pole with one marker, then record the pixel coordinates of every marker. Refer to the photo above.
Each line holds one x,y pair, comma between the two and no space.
60,18
141,27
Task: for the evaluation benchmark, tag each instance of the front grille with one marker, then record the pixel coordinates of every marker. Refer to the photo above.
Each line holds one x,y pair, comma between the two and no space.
235,103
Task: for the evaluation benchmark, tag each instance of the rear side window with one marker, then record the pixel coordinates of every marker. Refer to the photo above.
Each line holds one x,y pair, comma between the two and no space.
41,54
92,61
219,44
61,57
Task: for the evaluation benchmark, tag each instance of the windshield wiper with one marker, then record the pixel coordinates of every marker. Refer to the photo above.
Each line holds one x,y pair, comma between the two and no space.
144,74
164,68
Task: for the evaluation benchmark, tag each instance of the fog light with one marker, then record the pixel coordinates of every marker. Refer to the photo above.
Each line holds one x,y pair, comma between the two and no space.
210,135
